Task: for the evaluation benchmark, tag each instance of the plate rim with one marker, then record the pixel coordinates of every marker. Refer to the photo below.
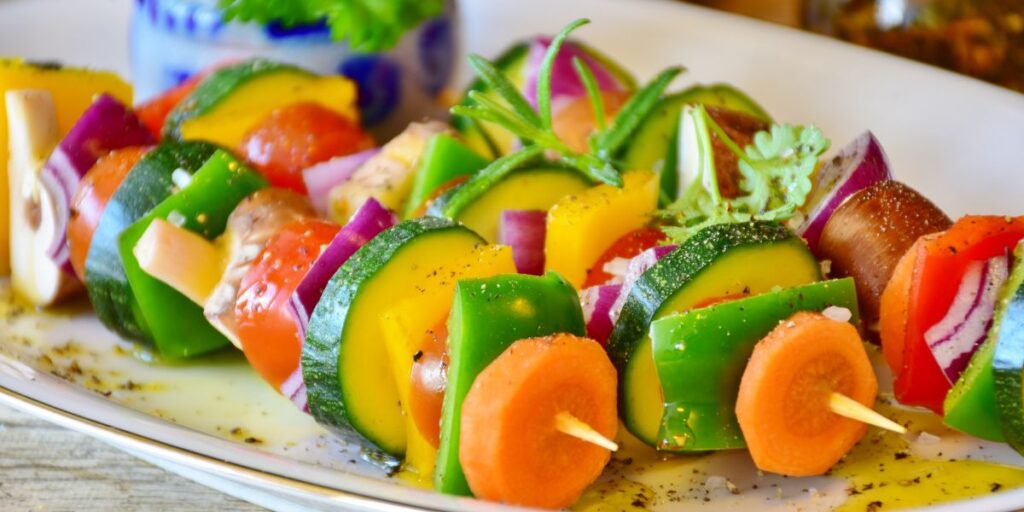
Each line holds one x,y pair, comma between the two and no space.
120,437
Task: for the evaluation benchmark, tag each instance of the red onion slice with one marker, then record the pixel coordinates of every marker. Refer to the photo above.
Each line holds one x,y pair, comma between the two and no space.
368,222
637,266
105,126
859,165
323,177
954,339
597,302
565,83
294,387
524,231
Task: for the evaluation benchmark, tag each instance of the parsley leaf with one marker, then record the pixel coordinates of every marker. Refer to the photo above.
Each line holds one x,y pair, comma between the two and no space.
367,25
776,174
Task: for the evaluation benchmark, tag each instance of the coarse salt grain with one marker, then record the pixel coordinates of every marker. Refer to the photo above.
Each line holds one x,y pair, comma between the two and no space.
176,218
181,178
837,313
715,482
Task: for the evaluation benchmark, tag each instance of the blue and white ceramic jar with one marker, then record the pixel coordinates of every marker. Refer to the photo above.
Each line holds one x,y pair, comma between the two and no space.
173,39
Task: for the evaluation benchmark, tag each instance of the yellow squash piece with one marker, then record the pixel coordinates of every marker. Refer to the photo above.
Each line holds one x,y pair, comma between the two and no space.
73,90
234,116
582,226
406,325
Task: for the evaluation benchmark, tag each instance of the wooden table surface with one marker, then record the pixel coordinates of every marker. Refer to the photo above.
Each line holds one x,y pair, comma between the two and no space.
46,468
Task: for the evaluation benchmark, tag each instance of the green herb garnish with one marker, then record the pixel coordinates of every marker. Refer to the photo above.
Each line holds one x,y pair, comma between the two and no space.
508,108
776,174
367,25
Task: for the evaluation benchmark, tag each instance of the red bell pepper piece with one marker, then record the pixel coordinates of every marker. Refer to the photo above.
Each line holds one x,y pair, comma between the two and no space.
941,265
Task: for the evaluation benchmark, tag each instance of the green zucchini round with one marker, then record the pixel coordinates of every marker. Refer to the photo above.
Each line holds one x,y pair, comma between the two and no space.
145,187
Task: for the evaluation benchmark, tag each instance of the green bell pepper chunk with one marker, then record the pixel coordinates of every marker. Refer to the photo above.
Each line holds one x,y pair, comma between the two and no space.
444,159
971,405
700,356
178,326
487,316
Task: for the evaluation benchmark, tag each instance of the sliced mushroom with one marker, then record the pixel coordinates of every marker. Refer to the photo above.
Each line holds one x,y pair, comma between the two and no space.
33,133
253,222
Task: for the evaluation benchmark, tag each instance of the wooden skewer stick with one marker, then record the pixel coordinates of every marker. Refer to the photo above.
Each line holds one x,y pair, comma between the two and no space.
850,408
568,424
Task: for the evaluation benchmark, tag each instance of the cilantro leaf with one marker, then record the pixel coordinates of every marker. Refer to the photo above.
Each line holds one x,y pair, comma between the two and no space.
367,25
776,171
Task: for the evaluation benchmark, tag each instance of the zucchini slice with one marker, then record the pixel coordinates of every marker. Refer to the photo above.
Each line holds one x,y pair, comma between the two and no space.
718,261
479,205
146,186
201,207
1008,360
231,100
345,364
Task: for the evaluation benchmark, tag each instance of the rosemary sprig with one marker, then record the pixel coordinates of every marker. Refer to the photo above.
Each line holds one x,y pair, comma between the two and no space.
505,105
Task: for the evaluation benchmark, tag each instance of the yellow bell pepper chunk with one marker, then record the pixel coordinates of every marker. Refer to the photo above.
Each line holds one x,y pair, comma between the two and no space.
73,90
229,122
581,227
406,325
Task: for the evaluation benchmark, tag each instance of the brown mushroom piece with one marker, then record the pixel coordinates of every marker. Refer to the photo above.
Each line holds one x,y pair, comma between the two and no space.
253,222
867,235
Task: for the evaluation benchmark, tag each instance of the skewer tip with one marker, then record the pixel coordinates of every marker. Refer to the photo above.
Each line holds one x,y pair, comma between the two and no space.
850,408
568,424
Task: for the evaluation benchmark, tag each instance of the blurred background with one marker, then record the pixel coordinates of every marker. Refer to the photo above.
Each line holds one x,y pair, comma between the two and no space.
980,38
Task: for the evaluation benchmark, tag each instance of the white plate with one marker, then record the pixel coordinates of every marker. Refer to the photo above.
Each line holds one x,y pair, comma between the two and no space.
957,140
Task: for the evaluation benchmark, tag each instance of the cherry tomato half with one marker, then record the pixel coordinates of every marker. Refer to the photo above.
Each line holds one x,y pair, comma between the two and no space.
628,246
297,136
268,330
154,112
428,381
91,198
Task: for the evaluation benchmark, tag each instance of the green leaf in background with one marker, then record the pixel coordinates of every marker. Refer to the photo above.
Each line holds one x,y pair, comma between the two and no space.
367,25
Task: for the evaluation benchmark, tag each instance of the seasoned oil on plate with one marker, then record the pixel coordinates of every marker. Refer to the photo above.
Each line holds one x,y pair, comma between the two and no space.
222,397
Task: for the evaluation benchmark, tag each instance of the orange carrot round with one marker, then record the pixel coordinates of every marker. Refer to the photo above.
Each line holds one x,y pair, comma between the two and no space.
511,450
783,404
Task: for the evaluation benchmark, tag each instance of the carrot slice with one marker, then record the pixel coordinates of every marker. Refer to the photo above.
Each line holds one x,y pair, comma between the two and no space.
510,449
894,306
783,404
